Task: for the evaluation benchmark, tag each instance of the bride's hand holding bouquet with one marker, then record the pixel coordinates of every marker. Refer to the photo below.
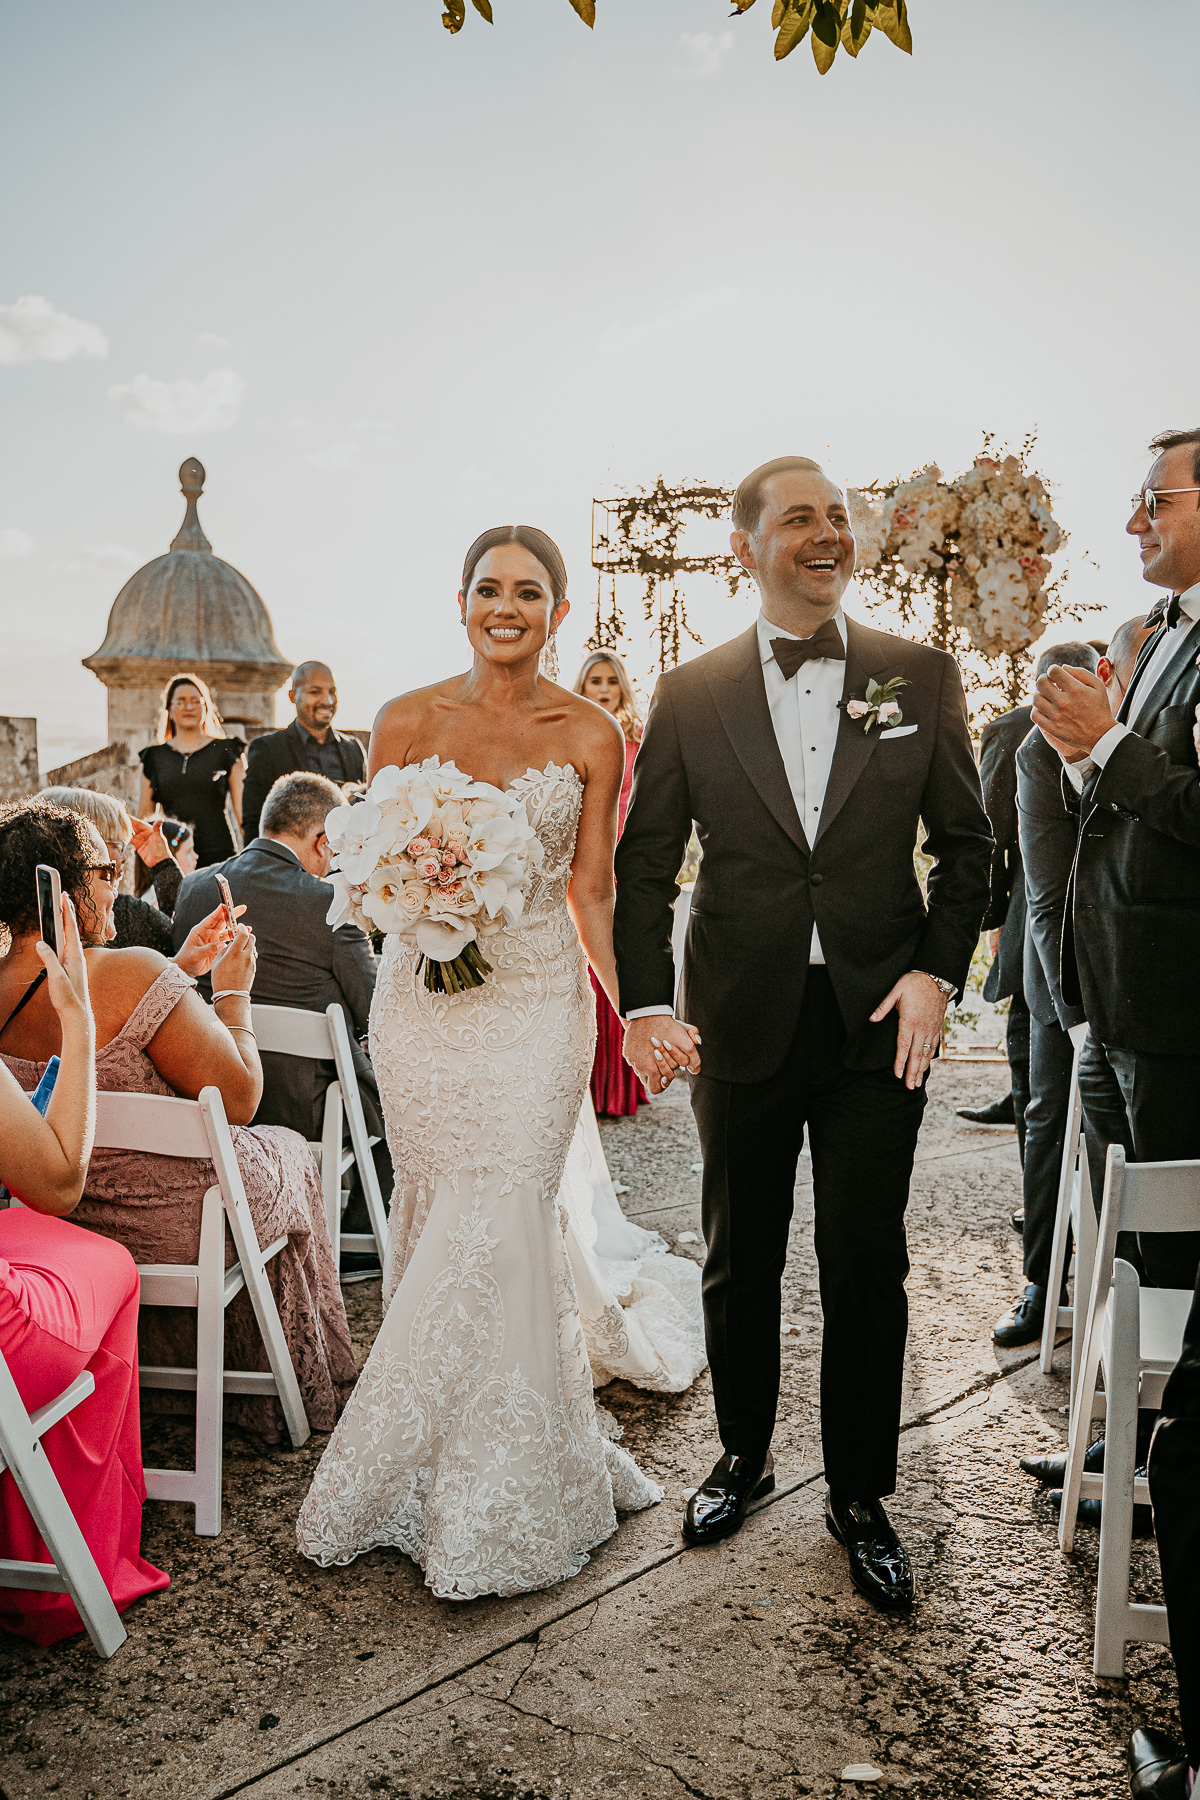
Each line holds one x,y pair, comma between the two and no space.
432,855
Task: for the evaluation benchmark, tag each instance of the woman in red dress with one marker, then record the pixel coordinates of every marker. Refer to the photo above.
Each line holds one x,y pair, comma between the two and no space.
616,1090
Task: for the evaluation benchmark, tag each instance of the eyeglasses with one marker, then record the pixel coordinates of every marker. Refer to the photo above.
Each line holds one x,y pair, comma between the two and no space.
109,871
1151,497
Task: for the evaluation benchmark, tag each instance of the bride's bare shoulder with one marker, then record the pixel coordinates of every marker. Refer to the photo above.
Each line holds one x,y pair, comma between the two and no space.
600,738
402,721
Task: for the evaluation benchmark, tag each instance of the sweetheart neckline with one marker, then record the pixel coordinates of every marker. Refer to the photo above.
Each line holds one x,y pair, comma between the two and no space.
567,768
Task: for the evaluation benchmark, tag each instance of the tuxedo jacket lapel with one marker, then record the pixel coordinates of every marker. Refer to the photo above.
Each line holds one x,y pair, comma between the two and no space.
1147,706
854,747
740,697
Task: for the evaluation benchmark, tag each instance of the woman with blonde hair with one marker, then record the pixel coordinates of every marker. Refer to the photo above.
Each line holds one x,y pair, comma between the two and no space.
195,772
616,1090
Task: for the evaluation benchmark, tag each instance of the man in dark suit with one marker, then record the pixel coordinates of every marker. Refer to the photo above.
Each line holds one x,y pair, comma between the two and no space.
1129,946
1046,849
1004,920
309,742
805,751
280,880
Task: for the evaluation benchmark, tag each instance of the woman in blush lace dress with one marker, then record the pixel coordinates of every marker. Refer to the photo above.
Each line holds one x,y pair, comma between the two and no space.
471,1441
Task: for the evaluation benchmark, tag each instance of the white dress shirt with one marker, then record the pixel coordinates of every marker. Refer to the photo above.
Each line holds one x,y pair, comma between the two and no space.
1079,773
804,713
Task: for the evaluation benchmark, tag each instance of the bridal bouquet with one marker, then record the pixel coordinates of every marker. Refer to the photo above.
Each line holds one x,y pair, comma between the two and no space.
432,855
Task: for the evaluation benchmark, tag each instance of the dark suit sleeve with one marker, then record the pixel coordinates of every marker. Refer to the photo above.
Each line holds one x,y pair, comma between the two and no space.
354,760
1049,830
354,970
259,776
168,879
649,854
957,838
1142,780
997,775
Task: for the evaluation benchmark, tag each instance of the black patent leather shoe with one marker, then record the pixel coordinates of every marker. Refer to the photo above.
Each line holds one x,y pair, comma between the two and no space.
717,1509
1090,1511
879,1565
1051,1470
1000,1112
1157,1767
1022,1323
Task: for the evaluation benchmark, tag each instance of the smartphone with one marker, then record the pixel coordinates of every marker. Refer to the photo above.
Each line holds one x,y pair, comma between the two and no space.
49,896
226,893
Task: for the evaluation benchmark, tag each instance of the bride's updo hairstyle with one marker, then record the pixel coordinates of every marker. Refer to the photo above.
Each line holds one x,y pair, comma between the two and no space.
530,538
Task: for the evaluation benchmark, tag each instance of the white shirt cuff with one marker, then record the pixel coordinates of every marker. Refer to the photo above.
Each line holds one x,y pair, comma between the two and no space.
651,1012
1078,772
1103,748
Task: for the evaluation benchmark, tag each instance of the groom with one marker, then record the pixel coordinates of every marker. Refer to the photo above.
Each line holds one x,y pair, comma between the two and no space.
816,977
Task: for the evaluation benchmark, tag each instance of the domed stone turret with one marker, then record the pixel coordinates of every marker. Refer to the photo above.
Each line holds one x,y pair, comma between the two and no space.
188,610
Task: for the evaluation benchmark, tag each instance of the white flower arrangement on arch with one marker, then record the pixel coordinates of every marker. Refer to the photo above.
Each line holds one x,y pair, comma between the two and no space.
432,855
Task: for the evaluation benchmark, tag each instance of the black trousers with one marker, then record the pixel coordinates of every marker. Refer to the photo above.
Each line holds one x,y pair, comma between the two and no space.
1050,1058
1017,1049
1150,1105
862,1129
1174,1486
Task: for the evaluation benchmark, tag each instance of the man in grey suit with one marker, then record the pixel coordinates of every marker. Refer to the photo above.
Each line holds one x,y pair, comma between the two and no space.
302,962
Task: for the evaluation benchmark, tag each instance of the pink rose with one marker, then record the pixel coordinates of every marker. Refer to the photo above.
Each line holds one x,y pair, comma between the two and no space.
428,865
858,709
886,711
420,846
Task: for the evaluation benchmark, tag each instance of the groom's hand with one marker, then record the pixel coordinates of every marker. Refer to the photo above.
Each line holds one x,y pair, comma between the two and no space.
921,1007
657,1047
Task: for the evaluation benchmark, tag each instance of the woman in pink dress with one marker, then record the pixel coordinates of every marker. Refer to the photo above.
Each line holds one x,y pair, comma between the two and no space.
68,1304
616,1090
156,1036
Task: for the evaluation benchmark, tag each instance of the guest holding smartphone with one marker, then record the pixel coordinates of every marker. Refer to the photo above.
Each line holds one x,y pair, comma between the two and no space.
68,1303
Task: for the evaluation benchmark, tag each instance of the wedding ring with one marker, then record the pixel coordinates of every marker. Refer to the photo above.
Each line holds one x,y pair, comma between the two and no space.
927,1046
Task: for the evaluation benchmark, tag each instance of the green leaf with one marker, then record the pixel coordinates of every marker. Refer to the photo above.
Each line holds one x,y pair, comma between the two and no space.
823,54
891,17
874,692
794,27
857,28
586,10
827,23
455,15
484,9
741,6
777,12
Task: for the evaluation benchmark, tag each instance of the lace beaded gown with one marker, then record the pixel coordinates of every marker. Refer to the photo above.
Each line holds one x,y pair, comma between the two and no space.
471,1441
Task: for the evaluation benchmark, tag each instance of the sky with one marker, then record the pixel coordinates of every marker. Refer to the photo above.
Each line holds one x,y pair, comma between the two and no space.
393,287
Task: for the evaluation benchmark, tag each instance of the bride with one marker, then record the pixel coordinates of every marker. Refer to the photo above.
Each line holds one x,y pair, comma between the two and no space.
471,1441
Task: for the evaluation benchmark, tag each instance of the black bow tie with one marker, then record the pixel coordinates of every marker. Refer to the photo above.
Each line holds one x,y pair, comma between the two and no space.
792,653
1164,609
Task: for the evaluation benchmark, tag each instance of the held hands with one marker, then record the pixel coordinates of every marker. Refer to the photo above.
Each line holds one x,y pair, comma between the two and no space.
658,1047
66,981
1071,708
235,966
205,942
921,1007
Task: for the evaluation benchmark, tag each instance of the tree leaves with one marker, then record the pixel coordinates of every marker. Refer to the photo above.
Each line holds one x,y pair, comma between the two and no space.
834,24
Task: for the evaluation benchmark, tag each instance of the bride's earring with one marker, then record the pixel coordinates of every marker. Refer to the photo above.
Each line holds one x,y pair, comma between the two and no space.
550,655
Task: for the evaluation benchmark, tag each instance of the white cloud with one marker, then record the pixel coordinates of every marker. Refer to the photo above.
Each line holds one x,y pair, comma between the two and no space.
112,556
334,456
32,330
704,51
14,541
181,406
212,337
688,325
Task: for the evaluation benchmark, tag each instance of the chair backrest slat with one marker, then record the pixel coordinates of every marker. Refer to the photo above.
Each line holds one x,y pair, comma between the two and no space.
1163,1196
155,1122
288,1031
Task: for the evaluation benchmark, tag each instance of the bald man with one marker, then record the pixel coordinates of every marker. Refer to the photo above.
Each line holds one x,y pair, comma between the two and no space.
309,743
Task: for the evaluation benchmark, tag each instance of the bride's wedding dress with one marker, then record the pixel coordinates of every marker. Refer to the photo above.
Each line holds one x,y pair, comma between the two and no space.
471,1440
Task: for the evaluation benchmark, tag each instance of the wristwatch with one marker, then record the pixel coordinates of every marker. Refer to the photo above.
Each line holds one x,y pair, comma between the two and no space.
948,987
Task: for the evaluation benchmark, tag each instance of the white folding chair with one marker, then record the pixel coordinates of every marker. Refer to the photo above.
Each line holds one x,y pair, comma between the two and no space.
1072,1219
199,1128
73,1570
1134,1336
289,1031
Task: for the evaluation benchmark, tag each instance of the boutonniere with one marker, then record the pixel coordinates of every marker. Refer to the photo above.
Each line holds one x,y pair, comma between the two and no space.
880,706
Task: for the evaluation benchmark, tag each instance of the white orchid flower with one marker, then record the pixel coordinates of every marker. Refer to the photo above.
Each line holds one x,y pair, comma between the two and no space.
442,939
342,906
490,890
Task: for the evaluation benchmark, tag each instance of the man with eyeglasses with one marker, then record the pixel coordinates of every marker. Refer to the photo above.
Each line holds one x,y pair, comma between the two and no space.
1131,950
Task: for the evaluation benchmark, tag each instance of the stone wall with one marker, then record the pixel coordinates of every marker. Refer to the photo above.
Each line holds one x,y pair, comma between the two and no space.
112,770
18,758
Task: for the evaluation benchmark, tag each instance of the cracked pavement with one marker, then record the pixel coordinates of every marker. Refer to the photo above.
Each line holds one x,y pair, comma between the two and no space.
748,1670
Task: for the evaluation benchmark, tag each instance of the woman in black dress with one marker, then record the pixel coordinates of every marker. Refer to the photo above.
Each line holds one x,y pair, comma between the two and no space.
194,767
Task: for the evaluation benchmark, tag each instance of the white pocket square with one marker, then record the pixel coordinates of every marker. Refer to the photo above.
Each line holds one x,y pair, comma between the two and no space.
898,731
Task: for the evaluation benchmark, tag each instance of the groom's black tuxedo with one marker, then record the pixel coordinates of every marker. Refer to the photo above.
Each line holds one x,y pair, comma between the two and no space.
786,1042
709,754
